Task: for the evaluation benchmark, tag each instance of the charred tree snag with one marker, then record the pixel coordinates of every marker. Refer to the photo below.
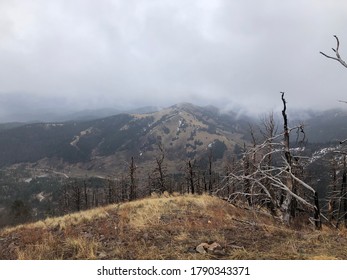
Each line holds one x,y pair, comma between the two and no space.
342,215
332,197
85,190
160,170
132,170
288,205
210,158
317,218
191,177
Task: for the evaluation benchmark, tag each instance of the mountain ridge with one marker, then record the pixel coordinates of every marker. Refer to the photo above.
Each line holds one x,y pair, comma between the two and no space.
183,129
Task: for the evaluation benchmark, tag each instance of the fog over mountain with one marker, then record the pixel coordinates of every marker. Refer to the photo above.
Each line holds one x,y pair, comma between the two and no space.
61,57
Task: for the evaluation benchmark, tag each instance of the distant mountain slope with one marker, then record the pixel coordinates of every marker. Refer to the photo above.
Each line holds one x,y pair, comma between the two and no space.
326,126
71,141
184,130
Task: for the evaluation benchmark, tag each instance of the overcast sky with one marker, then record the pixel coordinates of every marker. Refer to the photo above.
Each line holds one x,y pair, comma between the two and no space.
228,53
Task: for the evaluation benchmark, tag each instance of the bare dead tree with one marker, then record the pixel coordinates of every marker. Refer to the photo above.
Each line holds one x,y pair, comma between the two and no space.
210,159
246,172
190,177
85,192
132,170
333,195
229,167
110,191
288,204
123,186
204,181
149,184
268,181
160,170
95,198
65,198
342,213
269,132
337,54
76,195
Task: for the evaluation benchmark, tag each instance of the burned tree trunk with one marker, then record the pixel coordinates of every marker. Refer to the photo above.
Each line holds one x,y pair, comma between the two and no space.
344,197
317,214
246,181
210,158
132,169
160,172
76,196
268,134
332,196
342,215
65,198
110,191
85,189
288,203
190,172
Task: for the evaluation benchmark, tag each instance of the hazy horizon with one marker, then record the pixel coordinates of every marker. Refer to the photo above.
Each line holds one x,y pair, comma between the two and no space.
60,57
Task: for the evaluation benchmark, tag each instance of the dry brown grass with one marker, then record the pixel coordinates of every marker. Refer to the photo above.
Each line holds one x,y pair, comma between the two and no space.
169,227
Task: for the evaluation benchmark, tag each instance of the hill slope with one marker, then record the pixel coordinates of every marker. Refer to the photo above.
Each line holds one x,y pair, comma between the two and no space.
102,147
169,228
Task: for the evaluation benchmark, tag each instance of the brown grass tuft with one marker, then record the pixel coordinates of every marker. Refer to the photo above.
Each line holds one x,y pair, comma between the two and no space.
169,227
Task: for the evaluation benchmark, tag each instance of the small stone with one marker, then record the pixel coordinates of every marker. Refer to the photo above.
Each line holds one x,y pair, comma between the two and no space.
201,248
88,235
214,246
191,250
12,247
219,252
102,255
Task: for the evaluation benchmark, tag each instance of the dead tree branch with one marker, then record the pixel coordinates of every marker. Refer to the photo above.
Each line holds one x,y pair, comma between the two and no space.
337,54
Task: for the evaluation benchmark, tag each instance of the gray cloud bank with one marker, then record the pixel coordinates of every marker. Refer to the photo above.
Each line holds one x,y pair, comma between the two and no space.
82,54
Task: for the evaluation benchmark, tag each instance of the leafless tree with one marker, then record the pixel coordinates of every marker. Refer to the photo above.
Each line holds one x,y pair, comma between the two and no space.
342,199
268,132
95,198
191,177
289,202
110,191
210,178
65,198
85,192
332,196
132,170
342,212
160,169
76,195
273,183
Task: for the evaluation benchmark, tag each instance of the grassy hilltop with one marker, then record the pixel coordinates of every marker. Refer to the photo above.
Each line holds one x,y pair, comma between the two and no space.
169,227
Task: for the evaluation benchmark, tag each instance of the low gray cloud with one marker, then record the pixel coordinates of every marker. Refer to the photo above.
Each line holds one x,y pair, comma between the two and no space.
93,54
